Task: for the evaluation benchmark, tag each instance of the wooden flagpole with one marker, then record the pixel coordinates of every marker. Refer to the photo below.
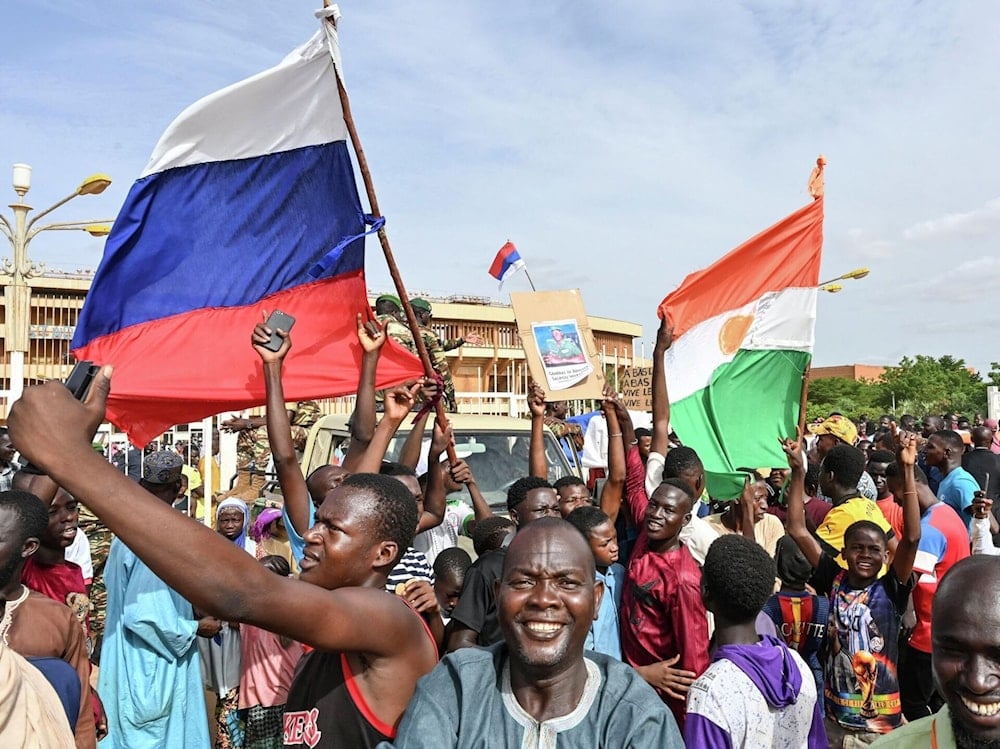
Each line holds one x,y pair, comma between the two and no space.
383,238
804,398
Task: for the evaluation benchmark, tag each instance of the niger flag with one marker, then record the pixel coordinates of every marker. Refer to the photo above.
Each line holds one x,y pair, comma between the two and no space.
743,338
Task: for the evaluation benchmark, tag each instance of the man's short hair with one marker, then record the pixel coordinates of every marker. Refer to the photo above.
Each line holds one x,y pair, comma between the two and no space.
454,560
489,533
880,456
642,432
681,484
586,518
846,463
739,576
812,479
393,513
792,566
518,491
679,461
864,525
570,480
952,439
390,468
32,516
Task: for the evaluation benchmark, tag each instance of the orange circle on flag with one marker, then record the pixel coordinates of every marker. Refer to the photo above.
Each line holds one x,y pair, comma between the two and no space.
733,332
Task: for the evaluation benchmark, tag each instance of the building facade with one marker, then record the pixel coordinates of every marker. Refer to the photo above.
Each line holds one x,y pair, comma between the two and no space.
490,378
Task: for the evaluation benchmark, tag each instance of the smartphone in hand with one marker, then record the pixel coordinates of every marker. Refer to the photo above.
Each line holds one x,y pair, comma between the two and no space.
80,378
278,320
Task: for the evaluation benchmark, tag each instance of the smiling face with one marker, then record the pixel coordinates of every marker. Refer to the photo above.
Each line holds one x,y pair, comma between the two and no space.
966,652
547,598
64,518
865,553
668,511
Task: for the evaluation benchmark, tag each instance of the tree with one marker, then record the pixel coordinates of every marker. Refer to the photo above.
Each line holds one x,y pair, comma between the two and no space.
925,385
842,394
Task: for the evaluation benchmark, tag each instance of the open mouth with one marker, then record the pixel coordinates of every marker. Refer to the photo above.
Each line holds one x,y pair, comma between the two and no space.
308,562
654,525
988,709
544,630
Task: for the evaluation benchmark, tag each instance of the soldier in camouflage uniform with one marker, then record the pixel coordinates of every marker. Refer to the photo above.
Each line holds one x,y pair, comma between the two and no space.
388,310
436,350
100,539
253,451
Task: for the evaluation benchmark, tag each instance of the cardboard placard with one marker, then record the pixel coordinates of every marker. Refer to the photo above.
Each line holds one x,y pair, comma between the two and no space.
558,343
636,385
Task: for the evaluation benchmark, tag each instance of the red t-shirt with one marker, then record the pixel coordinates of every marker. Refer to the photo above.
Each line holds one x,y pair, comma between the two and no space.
662,614
943,542
62,582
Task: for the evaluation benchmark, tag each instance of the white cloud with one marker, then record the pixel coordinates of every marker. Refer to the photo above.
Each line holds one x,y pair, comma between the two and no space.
628,145
975,223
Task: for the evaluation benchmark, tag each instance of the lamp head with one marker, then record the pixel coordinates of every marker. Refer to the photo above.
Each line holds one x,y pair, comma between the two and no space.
857,273
98,230
95,184
22,179
831,288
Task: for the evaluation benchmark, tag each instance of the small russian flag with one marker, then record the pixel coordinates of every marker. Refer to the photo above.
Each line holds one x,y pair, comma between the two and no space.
506,263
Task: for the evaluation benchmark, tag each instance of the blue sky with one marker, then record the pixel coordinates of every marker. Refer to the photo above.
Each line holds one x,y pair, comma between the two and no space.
619,145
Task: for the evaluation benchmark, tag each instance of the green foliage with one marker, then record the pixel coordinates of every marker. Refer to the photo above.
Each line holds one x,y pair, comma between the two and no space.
849,397
918,386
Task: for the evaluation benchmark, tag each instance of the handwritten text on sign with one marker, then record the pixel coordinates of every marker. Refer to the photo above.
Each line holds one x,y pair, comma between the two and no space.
637,388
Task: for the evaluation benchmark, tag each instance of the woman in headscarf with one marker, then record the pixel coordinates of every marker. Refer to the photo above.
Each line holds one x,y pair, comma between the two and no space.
268,532
220,655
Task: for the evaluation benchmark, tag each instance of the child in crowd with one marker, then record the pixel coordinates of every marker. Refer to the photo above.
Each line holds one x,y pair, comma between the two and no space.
449,578
799,616
491,533
269,661
757,692
861,683
597,528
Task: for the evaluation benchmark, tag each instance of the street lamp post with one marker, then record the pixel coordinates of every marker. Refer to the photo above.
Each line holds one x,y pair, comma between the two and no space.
17,272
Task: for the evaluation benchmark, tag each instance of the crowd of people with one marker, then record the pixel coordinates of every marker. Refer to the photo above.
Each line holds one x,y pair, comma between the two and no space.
841,600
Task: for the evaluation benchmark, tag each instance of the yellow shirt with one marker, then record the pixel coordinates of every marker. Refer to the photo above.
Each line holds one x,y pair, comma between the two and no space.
841,517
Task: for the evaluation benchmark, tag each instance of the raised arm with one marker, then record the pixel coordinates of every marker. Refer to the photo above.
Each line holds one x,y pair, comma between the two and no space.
434,495
906,549
462,474
538,466
611,495
55,431
795,496
398,402
372,338
279,429
661,403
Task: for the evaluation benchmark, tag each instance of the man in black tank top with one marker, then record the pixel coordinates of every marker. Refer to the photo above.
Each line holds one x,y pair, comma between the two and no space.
338,606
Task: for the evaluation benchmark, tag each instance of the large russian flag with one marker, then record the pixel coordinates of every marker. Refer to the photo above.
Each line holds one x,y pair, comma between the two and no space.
743,337
248,204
